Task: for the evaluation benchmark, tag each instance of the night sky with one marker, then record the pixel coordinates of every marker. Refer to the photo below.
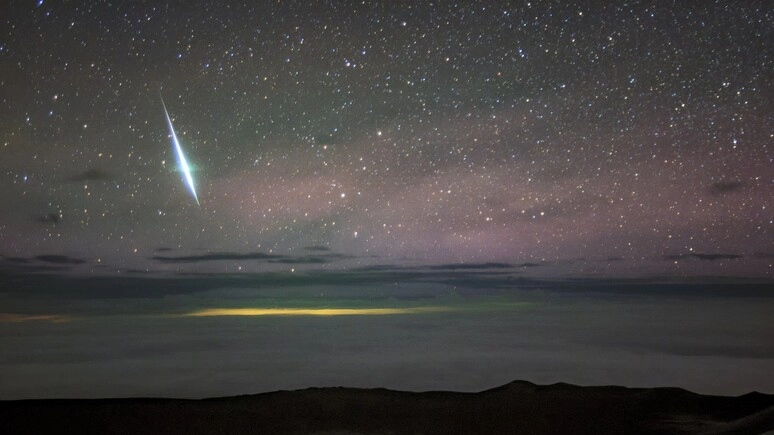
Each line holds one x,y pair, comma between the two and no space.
460,145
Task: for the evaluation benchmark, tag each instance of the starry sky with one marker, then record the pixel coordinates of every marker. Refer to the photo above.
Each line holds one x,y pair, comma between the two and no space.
625,139
416,195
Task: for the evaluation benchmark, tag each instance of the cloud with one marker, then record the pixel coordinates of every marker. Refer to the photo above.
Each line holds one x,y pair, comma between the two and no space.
481,267
725,187
17,260
22,318
321,312
467,266
713,257
522,265
44,275
17,279
234,256
51,218
16,268
378,268
300,260
218,256
92,175
708,257
59,259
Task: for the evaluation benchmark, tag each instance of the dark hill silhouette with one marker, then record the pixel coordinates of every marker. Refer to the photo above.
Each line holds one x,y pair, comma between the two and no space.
516,408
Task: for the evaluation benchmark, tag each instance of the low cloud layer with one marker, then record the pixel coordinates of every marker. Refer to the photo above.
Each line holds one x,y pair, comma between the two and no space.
26,278
237,335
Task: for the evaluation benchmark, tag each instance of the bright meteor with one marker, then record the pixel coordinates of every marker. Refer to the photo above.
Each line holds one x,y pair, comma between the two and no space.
180,156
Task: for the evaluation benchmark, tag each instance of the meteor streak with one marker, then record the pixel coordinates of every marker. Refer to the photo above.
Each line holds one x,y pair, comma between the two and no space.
180,156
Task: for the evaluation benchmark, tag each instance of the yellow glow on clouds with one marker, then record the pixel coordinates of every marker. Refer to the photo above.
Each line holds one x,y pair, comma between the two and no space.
212,312
21,318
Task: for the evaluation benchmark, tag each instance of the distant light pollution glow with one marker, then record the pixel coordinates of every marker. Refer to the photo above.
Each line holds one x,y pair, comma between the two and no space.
212,312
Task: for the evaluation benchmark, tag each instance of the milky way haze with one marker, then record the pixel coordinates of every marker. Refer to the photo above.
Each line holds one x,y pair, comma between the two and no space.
629,139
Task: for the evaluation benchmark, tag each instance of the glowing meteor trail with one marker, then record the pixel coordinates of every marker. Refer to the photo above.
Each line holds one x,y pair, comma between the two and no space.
180,156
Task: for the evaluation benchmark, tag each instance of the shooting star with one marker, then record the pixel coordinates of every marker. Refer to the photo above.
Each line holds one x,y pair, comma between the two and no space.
180,156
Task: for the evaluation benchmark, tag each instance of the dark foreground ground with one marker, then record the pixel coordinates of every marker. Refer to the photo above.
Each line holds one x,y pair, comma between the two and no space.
516,408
